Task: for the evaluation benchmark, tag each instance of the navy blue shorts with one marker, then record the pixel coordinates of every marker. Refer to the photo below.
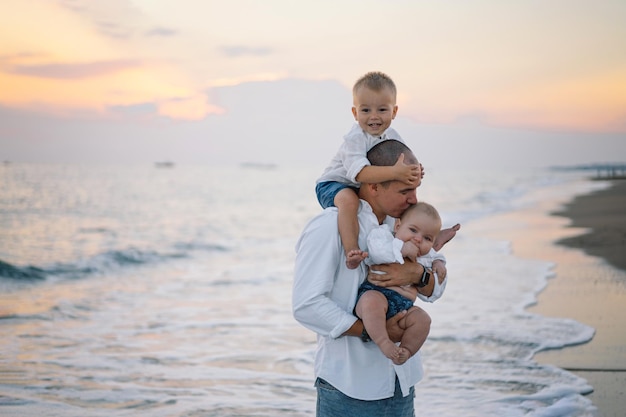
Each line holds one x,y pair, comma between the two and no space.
397,302
327,190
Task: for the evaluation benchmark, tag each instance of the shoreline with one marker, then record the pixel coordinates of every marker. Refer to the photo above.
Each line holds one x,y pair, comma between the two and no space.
580,230
592,291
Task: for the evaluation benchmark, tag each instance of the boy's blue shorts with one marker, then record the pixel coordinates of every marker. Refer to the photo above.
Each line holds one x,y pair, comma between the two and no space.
327,190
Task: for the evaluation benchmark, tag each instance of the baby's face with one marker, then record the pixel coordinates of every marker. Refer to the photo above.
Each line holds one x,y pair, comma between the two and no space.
419,228
374,110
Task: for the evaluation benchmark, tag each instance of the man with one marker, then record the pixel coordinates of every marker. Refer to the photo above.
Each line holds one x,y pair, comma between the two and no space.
354,378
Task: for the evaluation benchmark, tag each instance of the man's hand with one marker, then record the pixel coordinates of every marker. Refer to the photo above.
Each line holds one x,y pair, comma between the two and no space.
396,275
394,328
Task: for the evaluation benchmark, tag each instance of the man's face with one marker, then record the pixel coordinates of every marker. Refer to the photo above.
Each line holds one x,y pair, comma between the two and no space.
396,197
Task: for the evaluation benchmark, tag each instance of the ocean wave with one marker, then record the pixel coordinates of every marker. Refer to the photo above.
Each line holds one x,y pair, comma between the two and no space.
106,262
28,273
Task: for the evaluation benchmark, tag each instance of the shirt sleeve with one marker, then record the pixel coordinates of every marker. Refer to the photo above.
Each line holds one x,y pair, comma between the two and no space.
354,153
318,256
383,247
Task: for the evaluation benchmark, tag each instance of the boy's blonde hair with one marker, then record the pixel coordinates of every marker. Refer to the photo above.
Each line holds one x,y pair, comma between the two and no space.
375,81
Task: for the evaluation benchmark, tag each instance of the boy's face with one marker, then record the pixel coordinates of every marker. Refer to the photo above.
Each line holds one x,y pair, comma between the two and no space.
374,110
419,228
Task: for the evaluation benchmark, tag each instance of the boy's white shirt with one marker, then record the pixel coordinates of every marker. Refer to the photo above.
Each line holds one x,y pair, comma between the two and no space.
352,155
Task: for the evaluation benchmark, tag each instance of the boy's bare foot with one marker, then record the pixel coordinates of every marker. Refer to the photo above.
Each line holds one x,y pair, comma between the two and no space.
354,257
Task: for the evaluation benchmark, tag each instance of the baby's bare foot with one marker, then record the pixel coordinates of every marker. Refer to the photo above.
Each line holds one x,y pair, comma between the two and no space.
446,235
403,355
390,350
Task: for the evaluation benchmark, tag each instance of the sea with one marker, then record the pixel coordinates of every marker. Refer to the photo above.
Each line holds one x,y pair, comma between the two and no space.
144,290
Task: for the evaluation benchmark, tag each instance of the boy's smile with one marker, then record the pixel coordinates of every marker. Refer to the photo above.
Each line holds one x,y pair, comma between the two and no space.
374,110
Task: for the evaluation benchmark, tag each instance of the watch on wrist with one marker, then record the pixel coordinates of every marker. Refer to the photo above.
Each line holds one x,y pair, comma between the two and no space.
425,279
364,336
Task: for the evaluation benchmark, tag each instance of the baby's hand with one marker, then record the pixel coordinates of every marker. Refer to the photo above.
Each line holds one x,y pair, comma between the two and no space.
439,267
409,250
409,174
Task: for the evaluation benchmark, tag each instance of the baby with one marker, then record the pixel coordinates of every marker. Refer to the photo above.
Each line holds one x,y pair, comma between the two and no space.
415,232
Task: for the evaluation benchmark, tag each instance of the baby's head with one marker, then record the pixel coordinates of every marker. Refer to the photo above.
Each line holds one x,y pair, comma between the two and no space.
420,224
374,102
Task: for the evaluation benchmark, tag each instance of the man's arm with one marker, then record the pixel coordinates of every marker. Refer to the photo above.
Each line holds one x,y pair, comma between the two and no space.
409,174
318,255
409,273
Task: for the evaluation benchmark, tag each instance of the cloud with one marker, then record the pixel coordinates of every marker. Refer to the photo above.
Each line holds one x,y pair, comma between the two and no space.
237,51
74,71
114,18
135,110
279,122
162,31
195,107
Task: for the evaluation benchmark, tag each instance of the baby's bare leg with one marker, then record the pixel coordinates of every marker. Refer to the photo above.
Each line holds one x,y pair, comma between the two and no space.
417,326
372,309
445,235
347,203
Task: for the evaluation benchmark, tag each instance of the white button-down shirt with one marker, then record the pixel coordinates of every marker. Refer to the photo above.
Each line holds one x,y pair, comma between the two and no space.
352,155
324,296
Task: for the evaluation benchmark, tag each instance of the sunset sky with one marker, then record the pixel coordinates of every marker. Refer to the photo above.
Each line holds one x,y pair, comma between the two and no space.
205,81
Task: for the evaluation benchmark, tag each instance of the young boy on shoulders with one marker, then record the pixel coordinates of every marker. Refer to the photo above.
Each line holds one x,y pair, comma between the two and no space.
374,107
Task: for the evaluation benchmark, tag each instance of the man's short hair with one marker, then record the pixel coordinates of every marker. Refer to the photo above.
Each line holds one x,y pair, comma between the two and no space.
387,152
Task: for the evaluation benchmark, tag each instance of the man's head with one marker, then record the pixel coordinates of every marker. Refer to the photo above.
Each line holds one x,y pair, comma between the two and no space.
390,198
374,102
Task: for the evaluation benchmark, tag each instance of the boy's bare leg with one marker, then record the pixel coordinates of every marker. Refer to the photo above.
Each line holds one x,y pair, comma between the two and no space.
372,309
347,203
417,327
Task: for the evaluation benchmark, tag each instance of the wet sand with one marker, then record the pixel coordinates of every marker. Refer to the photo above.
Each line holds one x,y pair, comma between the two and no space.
585,239
593,291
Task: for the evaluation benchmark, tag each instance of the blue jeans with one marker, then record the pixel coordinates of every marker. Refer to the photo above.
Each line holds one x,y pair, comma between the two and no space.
332,403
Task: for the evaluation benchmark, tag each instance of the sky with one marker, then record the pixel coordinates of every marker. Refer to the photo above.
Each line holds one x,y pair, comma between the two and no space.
529,83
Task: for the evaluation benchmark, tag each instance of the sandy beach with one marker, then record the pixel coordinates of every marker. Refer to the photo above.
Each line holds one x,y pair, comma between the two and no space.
593,291
585,239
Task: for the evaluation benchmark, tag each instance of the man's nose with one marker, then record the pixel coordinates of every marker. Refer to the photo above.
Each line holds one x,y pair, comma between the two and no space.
412,197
